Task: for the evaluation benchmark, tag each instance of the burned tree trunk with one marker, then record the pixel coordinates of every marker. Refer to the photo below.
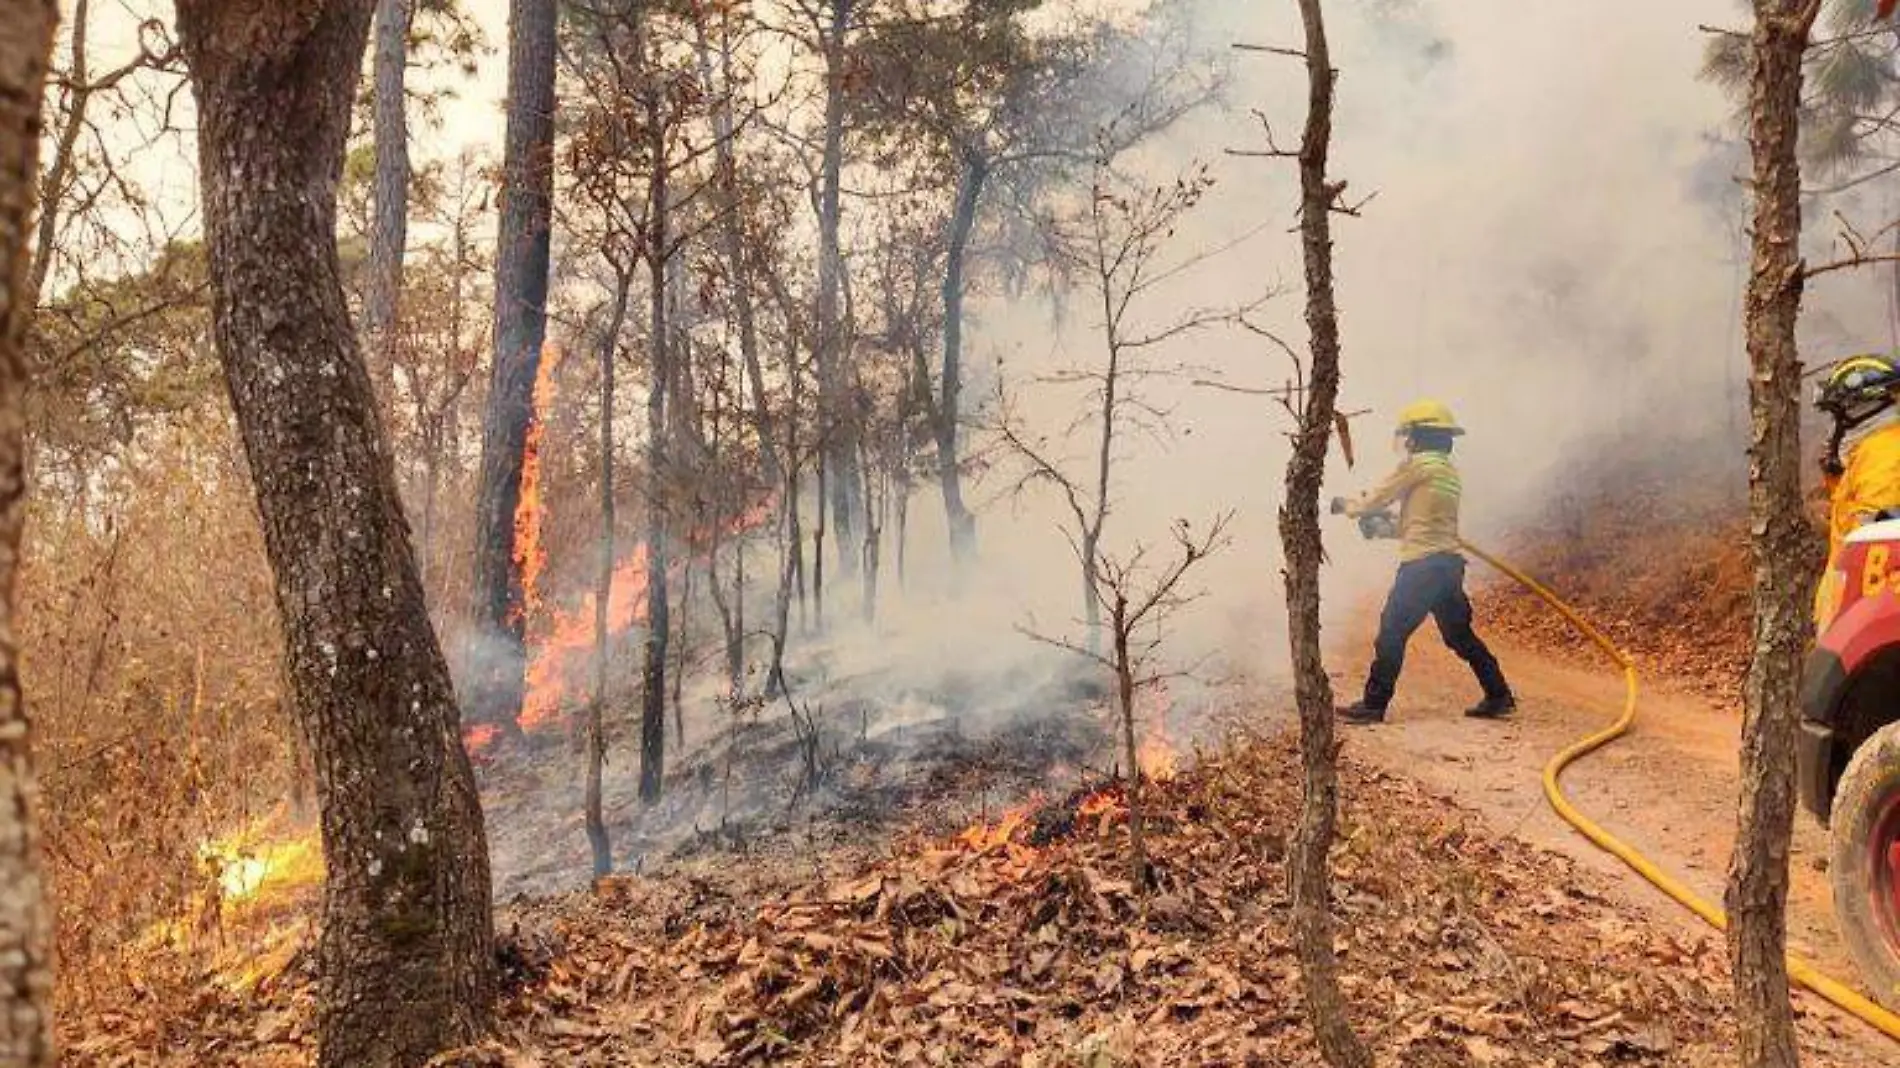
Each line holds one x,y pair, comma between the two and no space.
1310,876
497,660
873,534
948,408
838,427
818,541
681,641
389,230
405,959
1125,703
791,573
653,692
26,961
1757,893
596,739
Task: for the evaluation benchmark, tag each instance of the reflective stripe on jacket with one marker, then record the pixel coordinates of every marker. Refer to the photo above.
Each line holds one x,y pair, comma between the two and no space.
1427,488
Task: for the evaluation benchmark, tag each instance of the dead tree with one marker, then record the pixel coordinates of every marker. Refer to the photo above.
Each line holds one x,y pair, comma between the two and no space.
1139,600
1757,893
497,658
1120,248
435,372
406,955
73,185
832,24
1312,400
718,81
26,963
596,735
638,160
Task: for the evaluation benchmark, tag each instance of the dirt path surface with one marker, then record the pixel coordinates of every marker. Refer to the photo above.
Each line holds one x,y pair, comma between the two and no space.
1667,788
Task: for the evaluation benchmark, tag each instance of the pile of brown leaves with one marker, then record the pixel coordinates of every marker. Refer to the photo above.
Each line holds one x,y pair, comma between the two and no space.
1651,543
1457,948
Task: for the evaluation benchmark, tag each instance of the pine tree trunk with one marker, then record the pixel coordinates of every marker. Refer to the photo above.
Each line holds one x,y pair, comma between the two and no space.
389,228
1310,861
873,538
406,955
653,692
26,956
836,417
597,840
818,542
681,642
948,410
1757,894
497,659
735,637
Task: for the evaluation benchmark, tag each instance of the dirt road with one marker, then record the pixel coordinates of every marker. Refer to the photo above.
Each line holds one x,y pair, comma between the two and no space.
1668,788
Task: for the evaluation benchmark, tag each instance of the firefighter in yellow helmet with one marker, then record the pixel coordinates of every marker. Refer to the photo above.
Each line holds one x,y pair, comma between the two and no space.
1431,577
1861,468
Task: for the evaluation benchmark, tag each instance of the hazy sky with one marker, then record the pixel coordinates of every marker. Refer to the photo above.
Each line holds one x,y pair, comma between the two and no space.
1545,253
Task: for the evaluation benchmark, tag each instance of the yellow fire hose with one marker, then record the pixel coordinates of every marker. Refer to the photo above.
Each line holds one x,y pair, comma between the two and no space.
1799,970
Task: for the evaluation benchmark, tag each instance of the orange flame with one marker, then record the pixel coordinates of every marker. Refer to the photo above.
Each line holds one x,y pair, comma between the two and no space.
1098,803
1156,758
570,637
530,555
1155,754
983,837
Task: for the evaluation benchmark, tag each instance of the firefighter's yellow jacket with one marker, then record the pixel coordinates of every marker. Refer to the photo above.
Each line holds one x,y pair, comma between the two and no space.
1427,488
1869,485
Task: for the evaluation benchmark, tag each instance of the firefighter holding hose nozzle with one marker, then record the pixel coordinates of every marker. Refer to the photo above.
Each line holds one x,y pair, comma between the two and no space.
1861,468
1431,577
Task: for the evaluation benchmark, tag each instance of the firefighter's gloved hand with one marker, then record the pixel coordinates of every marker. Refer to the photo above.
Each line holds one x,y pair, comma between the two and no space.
1831,465
1375,526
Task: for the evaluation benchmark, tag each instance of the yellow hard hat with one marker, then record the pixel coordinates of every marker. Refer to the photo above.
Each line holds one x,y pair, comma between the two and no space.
1859,386
1428,415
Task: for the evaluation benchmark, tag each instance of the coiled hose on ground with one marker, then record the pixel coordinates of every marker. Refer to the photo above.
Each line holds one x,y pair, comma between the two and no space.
1842,996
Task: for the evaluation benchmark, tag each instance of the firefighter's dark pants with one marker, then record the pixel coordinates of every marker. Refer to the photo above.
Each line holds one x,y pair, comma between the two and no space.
1431,586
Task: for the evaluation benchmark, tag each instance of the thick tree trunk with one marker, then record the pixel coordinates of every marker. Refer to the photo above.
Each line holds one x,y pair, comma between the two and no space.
1757,894
653,693
837,416
26,960
949,404
405,959
1310,874
597,840
389,229
496,659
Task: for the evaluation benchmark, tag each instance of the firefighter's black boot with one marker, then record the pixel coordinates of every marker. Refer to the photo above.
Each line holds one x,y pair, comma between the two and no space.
1496,706
1362,714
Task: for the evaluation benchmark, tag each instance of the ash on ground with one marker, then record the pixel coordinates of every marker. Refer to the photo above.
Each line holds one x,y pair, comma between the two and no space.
841,759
